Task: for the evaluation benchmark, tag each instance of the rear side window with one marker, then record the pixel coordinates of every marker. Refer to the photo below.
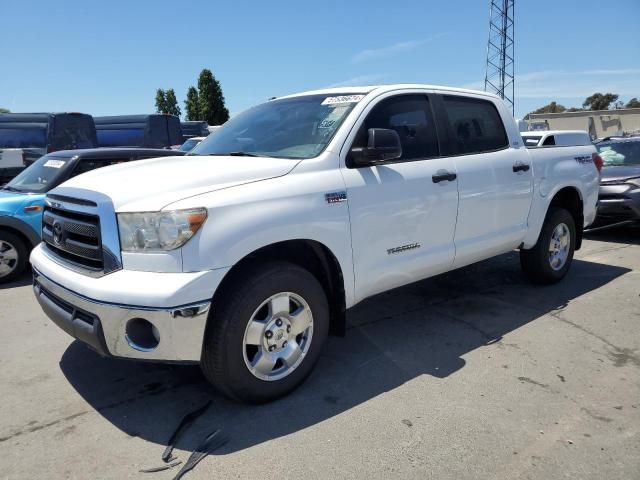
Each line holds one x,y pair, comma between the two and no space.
475,124
28,137
410,116
530,141
84,166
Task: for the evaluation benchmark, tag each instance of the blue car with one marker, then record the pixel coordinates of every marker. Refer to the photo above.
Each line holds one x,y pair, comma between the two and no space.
22,199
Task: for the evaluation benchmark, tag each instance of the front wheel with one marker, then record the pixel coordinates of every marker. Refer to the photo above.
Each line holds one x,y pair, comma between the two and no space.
13,257
266,334
550,259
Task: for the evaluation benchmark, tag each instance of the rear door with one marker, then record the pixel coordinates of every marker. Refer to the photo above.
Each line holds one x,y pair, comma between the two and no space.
403,212
71,131
494,178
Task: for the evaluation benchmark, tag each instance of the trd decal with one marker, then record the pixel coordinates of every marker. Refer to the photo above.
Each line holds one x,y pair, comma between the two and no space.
403,248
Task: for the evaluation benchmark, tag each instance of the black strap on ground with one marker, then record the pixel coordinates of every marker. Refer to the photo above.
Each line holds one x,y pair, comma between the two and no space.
185,423
162,468
212,442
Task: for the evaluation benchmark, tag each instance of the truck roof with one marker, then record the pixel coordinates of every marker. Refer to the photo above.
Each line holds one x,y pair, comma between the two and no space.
36,117
107,152
553,132
115,119
388,88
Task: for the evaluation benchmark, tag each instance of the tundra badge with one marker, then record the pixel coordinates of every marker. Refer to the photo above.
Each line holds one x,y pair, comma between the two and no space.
335,197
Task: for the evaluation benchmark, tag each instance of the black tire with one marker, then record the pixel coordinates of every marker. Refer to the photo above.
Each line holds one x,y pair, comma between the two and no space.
223,361
23,253
535,262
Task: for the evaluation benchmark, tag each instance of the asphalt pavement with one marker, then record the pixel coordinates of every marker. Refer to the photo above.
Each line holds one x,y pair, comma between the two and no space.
472,374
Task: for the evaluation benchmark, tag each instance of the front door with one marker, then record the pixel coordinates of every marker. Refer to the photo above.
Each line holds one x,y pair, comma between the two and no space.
403,212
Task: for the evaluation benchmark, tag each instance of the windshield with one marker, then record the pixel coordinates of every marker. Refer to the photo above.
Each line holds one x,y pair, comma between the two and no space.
298,127
620,153
33,137
189,144
41,176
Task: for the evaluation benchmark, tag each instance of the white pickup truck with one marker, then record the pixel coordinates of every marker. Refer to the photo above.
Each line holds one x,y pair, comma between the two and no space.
244,255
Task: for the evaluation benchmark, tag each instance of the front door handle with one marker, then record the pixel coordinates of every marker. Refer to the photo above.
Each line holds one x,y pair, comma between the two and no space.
521,167
443,176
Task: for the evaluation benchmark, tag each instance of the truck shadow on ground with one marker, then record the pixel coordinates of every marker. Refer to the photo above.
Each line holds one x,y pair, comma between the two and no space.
422,329
21,281
626,234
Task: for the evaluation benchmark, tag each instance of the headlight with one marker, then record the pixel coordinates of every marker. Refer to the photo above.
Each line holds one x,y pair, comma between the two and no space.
158,231
634,181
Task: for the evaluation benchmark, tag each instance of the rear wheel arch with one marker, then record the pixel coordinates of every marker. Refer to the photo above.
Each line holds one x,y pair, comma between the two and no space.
570,199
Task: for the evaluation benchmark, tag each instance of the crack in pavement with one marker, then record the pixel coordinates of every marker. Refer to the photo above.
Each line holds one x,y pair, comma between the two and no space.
620,356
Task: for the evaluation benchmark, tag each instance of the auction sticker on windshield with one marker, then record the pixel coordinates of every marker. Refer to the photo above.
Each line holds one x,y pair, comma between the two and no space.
54,163
342,99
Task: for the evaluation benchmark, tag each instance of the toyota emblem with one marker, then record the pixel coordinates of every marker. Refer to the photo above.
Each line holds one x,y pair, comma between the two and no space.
57,233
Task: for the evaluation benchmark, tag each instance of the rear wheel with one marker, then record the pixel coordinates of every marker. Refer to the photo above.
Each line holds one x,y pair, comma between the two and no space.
13,257
550,259
267,332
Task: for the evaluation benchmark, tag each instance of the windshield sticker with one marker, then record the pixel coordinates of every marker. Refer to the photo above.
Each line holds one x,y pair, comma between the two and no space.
342,99
54,163
333,117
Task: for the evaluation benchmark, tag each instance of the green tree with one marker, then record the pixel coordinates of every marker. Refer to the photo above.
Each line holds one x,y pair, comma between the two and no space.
599,101
553,107
171,103
211,99
192,104
161,101
5,110
633,103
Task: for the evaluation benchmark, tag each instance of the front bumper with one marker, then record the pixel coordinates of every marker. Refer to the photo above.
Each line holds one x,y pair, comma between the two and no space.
97,316
618,203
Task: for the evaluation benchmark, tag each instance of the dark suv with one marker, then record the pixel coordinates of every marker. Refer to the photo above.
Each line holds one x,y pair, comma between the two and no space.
619,199
22,199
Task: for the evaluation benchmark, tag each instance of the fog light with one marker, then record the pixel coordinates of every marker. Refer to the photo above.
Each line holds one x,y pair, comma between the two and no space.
142,335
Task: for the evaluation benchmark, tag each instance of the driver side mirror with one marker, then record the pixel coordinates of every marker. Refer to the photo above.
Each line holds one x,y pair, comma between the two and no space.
382,144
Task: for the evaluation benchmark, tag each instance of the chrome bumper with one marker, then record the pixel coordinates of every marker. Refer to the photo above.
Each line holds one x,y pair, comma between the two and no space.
109,328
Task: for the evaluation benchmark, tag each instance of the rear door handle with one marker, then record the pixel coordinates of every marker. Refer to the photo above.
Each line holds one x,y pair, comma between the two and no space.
521,167
443,176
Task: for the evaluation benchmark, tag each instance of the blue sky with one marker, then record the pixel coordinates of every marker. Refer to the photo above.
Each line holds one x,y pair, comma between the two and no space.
109,57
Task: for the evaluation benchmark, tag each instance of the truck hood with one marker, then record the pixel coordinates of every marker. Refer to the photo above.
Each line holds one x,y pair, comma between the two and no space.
150,185
621,173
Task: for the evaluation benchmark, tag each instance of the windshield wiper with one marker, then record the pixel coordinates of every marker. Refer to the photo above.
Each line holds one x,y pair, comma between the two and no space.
11,189
236,154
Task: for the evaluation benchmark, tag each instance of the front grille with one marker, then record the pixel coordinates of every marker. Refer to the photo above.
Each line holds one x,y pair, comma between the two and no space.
73,236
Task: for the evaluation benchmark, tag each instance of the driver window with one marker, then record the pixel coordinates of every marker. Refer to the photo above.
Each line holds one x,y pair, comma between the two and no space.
87,165
410,116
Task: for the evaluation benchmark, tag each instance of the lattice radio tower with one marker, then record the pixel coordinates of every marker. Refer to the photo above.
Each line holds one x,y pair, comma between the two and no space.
499,77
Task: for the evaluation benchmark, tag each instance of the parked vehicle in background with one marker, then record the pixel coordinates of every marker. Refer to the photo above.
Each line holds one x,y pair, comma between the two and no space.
559,138
619,199
194,128
149,131
25,137
244,254
22,199
213,128
190,144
